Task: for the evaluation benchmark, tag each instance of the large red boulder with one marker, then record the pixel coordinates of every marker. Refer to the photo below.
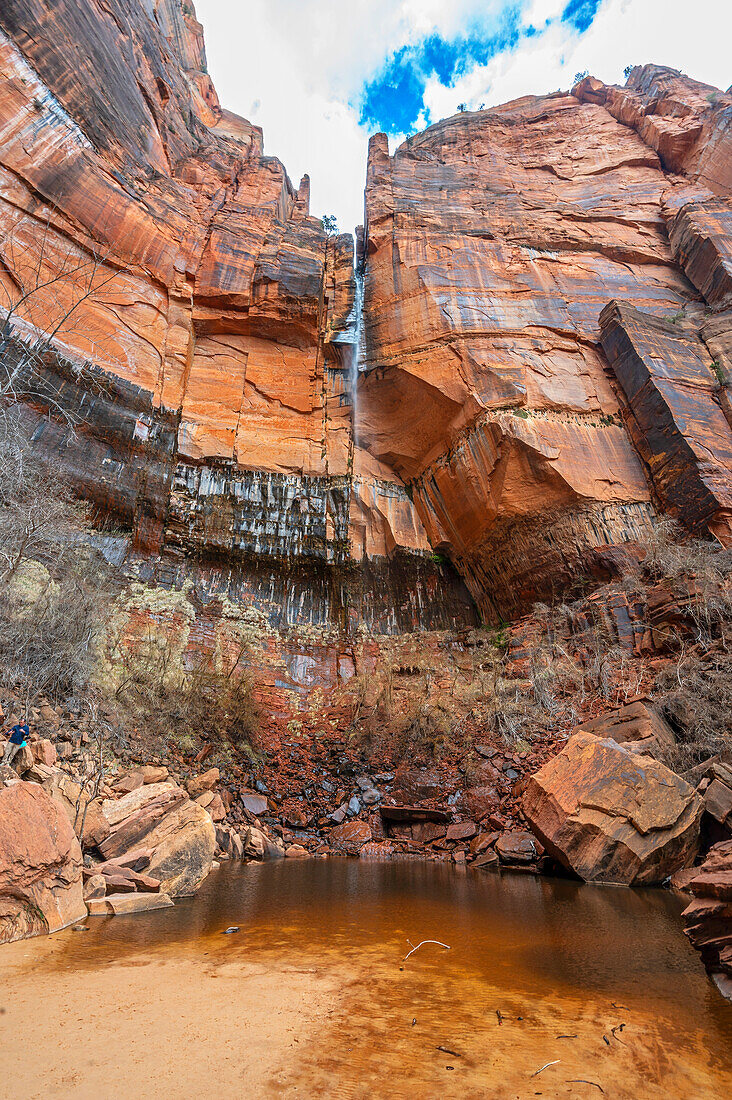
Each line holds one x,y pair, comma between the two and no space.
611,815
40,864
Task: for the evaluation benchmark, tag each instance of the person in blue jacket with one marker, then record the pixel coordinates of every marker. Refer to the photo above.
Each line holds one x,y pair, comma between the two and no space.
19,735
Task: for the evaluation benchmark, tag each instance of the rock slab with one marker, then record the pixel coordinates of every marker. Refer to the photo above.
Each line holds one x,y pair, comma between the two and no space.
611,815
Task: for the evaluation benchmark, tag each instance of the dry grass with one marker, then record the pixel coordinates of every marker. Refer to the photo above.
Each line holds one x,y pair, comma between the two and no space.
184,709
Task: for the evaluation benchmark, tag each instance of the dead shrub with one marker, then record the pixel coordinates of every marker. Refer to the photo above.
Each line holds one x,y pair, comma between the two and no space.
183,707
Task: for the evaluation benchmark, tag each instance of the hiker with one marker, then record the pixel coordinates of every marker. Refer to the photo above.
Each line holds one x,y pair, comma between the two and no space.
18,740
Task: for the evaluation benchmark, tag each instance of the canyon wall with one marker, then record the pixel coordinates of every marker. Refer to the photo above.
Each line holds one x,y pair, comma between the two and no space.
546,328
495,240
169,294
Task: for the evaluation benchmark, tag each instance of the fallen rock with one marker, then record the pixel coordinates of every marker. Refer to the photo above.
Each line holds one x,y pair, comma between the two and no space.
255,803
44,752
153,774
611,815
40,864
296,851
118,809
200,783
486,860
376,849
348,839
121,904
462,830
257,845
178,832
95,887
718,802
636,726
517,847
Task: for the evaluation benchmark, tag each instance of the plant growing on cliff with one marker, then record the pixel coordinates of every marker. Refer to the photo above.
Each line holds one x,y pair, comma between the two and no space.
580,76
330,225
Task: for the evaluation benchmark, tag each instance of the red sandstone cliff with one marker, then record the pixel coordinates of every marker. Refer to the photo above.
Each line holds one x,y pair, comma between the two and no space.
219,420
495,240
207,359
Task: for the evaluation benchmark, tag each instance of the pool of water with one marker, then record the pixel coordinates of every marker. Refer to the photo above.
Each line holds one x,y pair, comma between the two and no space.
549,987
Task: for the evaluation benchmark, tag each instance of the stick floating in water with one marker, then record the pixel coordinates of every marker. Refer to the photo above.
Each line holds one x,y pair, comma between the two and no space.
445,945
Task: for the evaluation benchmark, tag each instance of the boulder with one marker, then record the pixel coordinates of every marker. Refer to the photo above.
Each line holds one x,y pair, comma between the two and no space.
479,801
611,815
517,847
296,851
216,809
461,830
118,809
197,784
636,726
718,802
180,835
486,860
95,887
40,864
348,839
152,774
255,803
128,783
44,752
121,904
257,845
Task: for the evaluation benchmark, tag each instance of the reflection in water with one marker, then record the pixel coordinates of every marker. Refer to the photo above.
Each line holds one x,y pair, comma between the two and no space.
561,962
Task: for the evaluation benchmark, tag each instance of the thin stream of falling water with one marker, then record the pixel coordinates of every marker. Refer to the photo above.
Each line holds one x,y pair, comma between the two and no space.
356,349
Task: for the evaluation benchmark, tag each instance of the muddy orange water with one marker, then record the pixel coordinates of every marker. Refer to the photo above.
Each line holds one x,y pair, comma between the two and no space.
309,998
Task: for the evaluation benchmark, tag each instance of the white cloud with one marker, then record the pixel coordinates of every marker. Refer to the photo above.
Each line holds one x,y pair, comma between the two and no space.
297,67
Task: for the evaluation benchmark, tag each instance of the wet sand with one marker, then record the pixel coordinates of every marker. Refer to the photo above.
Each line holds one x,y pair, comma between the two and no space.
312,997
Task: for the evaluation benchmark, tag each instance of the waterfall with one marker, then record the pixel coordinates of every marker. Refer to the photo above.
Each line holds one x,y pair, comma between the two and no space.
355,354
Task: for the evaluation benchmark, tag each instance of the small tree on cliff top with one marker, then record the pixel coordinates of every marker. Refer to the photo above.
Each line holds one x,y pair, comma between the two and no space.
330,225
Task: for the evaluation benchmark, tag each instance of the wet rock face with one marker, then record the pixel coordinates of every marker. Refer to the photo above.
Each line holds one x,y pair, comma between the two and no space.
611,815
40,864
708,920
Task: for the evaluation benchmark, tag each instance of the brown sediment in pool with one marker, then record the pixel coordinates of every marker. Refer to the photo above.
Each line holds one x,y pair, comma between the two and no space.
549,989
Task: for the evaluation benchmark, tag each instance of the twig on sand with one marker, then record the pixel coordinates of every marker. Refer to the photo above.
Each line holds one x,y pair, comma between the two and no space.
566,1036
613,1005
583,1081
446,1050
618,1027
554,1063
445,945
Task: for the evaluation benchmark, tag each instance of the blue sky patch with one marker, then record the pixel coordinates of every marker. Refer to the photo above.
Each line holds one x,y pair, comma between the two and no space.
394,100
580,13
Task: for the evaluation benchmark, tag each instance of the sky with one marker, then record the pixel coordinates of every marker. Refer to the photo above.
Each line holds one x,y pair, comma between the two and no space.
321,76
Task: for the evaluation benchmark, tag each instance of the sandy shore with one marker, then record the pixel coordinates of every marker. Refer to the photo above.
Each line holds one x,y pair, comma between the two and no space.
162,1025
